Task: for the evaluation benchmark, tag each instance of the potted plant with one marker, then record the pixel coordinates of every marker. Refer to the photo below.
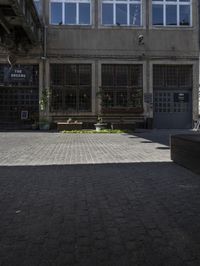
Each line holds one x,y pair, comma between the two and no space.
44,121
100,125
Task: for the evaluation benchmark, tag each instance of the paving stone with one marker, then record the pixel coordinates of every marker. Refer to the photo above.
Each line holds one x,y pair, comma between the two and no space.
99,200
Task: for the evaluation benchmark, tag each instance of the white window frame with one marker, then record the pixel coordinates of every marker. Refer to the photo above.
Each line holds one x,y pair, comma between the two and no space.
176,3
77,2
126,2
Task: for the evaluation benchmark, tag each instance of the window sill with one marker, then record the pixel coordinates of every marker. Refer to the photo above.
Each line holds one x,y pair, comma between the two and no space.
115,27
124,110
172,27
71,26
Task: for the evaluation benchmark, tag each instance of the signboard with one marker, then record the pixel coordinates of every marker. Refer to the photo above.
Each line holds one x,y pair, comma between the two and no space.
148,97
181,97
24,115
16,74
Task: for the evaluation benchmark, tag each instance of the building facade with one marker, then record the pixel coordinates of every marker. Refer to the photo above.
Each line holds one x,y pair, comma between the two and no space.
128,60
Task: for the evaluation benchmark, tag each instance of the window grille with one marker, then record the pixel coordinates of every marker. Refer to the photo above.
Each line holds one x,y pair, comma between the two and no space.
71,86
172,76
122,86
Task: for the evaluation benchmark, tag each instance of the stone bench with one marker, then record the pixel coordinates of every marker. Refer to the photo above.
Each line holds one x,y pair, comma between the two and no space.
185,150
69,126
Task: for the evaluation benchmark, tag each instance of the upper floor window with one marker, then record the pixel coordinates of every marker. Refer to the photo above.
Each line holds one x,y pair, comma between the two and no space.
70,12
172,12
121,12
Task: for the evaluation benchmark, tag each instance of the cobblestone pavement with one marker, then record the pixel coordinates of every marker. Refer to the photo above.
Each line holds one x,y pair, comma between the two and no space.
57,148
96,200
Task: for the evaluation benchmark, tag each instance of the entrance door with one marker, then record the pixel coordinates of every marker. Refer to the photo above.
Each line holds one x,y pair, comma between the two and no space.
15,102
172,86
19,96
172,109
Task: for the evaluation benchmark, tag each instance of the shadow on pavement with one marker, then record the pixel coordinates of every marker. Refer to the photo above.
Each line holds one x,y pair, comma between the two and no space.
158,136
106,214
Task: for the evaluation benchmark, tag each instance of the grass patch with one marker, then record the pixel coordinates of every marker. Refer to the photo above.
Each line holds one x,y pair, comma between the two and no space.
104,131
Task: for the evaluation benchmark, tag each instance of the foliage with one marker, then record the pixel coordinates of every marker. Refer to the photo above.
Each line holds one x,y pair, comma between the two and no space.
44,99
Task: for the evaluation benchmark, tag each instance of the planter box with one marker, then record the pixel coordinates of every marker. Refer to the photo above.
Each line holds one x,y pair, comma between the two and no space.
122,126
185,150
44,126
69,126
100,126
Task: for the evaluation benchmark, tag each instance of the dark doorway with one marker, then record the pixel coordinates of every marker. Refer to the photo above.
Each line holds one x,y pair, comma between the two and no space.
19,96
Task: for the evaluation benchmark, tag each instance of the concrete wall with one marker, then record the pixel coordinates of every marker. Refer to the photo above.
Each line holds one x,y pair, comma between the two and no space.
97,44
96,40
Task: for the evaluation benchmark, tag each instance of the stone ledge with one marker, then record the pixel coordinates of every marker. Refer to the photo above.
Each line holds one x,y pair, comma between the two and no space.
185,150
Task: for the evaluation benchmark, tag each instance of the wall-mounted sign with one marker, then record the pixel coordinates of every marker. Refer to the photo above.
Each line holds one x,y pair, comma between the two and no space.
16,74
181,97
24,115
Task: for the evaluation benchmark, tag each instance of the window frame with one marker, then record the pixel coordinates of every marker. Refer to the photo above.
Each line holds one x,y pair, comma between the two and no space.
37,4
64,83
127,3
77,2
178,4
117,87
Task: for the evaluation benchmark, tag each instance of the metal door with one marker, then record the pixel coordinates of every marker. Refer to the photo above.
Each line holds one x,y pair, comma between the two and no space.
15,100
172,109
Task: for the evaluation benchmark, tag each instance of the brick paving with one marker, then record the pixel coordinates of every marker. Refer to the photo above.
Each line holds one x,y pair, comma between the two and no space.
57,148
96,200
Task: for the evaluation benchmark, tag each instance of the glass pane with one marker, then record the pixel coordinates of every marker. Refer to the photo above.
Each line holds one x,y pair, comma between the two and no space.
71,77
157,15
121,98
56,74
85,74
56,13
171,15
108,99
108,75
107,14
135,15
185,15
121,14
70,99
84,13
85,99
70,13
121,75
